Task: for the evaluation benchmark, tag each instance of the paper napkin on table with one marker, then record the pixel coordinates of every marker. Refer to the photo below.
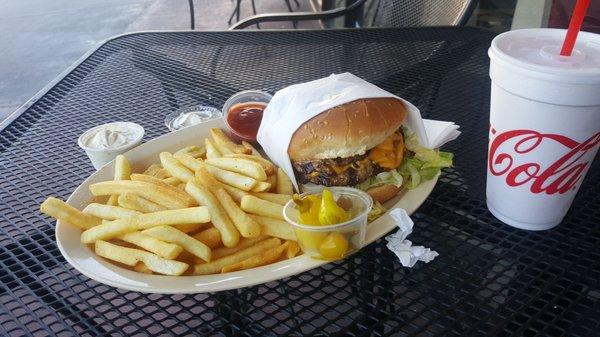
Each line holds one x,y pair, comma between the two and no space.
440,132
397,243
290,107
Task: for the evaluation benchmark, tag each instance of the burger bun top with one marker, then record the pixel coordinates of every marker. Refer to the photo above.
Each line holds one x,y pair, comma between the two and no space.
347,130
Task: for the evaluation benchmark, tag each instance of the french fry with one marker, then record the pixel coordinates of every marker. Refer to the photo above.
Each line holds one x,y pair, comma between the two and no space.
119,227
188,161
235,192
198,154
189,258
292,249
172,235
229,234
232,178
272,179
267,166
172,181
109,212
122,172
189,227
244,224
152,169
158,194
140,267
276,228
223,141
193,150
209,180
185,149
161,248
206,179
284,184
253,151
175,168
157,171
216,265
66,213
137,203
246,167
222,149
155,181
261,186
162,174
131,257
244,243
261,259
255,205
113,200
122,168
281,199
247,227
181,187
210,237
211,150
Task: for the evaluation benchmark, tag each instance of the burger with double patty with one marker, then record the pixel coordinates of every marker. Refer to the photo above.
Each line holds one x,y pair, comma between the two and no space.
352,143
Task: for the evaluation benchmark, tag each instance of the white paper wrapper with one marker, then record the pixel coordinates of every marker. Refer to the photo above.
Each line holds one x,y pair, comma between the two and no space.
292,106
397,243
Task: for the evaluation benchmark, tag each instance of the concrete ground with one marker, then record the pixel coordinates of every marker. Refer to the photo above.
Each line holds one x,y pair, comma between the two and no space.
39,38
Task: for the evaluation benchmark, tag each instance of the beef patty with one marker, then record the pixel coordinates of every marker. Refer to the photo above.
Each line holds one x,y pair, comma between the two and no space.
335,172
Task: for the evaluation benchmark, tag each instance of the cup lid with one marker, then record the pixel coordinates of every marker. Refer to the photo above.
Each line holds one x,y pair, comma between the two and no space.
537,51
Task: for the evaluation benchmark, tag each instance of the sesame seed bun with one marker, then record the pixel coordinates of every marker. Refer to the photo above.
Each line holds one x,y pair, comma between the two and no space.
347,130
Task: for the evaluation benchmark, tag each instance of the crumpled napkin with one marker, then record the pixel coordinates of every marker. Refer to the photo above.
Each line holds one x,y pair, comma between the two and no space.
397,243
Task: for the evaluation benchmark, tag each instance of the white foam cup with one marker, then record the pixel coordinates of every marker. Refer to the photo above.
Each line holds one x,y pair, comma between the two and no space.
544,124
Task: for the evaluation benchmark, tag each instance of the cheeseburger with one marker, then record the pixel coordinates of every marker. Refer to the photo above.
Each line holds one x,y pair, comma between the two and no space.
349,144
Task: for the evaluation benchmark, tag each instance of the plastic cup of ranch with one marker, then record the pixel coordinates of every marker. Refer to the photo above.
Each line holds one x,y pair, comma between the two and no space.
544,124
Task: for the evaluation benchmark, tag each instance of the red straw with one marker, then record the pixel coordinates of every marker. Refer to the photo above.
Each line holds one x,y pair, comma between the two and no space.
574,27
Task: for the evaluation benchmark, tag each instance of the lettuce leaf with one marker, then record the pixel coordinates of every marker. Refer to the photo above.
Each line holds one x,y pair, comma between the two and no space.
409,169
392,177
375,212
422,164
419,164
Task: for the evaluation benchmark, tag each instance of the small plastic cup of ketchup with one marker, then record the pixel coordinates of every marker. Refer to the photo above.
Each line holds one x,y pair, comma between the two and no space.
243,113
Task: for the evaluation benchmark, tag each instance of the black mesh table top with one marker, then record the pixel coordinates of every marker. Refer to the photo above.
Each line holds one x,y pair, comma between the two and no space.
490,279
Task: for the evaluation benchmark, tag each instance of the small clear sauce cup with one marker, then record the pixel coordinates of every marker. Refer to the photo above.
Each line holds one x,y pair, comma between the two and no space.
203,112
312,238
249,97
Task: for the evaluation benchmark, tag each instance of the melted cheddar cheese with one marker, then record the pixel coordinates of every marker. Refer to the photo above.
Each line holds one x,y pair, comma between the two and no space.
389,153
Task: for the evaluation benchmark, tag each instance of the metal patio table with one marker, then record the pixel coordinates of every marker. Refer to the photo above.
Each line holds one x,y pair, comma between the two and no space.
490,279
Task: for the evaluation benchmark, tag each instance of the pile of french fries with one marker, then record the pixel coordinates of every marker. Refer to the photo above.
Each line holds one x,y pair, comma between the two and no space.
208,209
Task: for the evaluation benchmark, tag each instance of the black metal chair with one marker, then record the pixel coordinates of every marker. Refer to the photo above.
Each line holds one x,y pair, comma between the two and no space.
382,13
237,10
416,13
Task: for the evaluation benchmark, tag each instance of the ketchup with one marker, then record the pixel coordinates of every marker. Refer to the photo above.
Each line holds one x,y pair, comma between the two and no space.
244,119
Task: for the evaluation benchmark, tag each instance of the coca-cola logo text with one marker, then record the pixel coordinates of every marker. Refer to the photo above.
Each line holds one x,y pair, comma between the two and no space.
559,177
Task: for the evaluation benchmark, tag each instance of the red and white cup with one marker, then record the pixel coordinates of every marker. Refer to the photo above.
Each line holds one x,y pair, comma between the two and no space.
544,124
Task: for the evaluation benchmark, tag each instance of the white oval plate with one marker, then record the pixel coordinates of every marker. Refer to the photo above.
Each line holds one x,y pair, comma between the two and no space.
82,258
